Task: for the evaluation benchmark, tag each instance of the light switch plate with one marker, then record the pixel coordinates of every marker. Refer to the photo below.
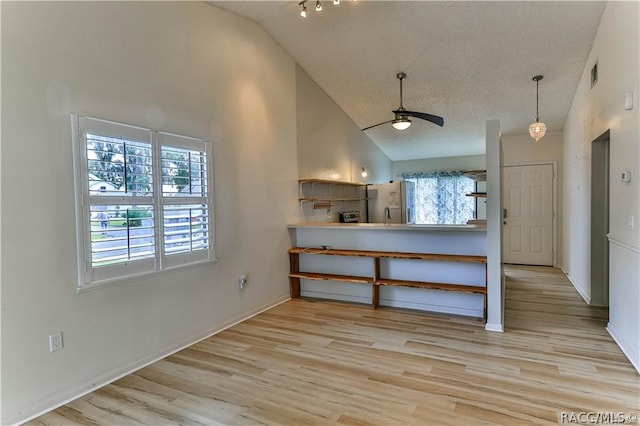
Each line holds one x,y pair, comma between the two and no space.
628,101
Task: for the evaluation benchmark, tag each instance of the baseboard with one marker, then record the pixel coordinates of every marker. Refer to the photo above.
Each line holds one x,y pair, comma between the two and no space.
634,358
119,373
494,327
582,294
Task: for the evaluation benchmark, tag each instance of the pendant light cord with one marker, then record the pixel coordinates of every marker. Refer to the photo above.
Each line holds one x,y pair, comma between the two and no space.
537,94
537,79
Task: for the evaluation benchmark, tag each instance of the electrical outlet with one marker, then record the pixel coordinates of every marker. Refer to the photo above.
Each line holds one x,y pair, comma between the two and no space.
243,281
55,342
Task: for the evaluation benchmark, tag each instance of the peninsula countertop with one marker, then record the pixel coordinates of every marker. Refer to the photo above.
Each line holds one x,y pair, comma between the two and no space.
388,227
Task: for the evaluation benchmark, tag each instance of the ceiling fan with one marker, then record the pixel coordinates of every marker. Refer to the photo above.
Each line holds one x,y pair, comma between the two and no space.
402,120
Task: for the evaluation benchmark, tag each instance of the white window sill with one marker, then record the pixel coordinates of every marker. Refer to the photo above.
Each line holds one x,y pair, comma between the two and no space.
112,282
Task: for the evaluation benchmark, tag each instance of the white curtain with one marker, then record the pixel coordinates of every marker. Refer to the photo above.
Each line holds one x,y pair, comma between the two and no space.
441,199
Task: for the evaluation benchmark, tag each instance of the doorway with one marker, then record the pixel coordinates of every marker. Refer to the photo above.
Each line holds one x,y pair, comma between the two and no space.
528,215
600,220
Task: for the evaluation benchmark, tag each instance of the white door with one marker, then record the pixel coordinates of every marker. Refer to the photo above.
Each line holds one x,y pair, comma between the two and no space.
528,215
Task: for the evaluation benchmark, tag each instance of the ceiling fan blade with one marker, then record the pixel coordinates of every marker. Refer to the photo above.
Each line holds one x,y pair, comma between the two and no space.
429,117
376,125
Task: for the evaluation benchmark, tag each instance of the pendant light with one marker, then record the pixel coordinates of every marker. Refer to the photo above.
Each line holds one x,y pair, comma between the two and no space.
537,129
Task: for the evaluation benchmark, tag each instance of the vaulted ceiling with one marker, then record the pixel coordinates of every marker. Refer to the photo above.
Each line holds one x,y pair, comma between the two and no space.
466,61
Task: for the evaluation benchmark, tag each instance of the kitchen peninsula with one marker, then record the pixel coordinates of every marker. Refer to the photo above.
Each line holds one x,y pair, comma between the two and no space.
400,265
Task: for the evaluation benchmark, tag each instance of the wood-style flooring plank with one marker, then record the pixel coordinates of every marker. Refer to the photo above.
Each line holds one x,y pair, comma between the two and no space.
317,362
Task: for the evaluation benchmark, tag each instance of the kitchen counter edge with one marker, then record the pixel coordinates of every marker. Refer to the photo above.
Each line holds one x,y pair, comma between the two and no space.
387,227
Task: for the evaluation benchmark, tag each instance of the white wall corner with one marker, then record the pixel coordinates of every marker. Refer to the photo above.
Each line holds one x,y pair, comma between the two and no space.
631,351
581,292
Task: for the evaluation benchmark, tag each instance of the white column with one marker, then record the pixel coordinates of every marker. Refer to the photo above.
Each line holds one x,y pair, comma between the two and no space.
495,275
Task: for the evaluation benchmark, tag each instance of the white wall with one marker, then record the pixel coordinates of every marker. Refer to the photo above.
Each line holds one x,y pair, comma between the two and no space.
330,144
522,149
183,67
593,112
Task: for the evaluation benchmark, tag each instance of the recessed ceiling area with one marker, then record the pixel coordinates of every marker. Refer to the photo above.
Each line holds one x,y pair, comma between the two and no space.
465,61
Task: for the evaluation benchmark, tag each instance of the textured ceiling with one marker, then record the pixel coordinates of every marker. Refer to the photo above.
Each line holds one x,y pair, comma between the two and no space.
466,61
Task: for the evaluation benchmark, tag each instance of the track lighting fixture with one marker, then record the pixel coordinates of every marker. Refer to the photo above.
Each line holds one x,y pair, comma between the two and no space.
303,4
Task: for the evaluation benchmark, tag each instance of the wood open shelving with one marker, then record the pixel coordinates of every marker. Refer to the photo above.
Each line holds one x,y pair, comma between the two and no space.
375,279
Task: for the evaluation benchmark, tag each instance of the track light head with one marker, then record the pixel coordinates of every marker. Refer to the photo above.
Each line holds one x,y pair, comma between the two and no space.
303,12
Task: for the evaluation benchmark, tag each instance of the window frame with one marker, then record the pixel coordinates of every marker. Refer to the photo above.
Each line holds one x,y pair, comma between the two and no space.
92,276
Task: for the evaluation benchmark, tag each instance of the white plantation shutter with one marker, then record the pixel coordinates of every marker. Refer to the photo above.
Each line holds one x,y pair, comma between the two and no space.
185,202
142,201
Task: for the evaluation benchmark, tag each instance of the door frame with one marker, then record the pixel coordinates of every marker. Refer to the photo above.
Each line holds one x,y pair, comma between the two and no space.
554,202
599,259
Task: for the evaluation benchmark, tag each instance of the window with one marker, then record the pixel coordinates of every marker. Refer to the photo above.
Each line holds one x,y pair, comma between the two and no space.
142,201
441,197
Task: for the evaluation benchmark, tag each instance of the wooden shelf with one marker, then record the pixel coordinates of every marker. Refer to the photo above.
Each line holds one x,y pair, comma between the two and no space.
376,281
329,199
331,277
390,254
328,181
477,194
477,175
335,192
433,286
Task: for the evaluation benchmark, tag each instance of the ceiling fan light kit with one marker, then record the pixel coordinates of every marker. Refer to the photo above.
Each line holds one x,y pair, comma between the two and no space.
401,123
537,129
402,120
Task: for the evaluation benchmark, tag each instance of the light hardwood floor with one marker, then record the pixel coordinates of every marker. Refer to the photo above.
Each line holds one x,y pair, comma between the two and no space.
317,362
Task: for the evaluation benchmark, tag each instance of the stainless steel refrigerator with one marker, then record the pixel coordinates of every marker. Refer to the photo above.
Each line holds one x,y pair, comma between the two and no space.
391,202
